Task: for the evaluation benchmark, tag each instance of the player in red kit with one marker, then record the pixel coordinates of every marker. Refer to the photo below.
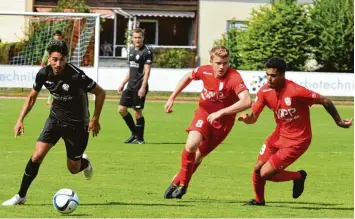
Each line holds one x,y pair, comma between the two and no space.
290,103
223,96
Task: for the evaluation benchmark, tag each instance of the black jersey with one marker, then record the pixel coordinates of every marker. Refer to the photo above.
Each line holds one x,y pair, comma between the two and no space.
137,59
69,90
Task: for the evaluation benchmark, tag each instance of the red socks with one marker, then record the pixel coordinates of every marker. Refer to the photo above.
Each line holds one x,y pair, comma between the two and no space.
259,187
187,168
284,175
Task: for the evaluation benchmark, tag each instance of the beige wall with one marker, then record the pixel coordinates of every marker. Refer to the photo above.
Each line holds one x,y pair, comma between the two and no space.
213,21
12,27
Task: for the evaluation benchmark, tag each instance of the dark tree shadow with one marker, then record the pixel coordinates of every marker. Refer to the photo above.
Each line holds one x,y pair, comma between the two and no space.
138,204
182,143
271,203
75,215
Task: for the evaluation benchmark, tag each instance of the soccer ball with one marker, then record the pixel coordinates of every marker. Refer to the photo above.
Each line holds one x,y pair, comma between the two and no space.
65,201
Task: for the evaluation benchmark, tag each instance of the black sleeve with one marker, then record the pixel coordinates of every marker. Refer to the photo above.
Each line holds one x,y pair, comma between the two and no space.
86,82
40,79
148,57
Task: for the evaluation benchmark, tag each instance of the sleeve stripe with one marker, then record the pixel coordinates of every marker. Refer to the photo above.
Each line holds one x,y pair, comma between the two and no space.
147,48
74,68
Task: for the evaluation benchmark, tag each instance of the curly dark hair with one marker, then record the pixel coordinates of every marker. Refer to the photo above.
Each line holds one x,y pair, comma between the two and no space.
58,46
278,63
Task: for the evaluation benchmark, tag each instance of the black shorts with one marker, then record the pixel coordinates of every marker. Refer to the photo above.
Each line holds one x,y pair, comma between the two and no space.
75,137
130,99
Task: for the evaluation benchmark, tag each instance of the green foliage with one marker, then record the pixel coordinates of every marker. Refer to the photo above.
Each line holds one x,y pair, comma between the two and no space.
4,52
231,40
77,5
9,50
333,22
281,29
174,58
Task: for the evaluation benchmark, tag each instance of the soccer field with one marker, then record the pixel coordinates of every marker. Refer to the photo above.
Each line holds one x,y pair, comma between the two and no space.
129,180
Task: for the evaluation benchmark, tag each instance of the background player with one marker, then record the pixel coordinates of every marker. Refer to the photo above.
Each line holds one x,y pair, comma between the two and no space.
57,35
223,96
290,103
140,60
68,118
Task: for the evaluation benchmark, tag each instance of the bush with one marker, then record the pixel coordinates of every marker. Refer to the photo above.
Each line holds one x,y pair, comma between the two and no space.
174,58
4,52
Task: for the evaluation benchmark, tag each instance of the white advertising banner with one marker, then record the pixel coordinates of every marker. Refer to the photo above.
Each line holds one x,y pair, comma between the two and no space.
161,79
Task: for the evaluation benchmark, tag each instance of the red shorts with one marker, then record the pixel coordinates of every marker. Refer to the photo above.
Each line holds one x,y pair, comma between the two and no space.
214,134
280,153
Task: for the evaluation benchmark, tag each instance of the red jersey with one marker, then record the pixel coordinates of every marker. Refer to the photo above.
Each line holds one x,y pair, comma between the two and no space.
218,93
291,110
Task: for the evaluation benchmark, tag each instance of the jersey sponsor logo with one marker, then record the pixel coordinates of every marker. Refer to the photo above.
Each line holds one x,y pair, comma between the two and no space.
287,114
65,87
133,64
288,101
207,73
212,95
62,97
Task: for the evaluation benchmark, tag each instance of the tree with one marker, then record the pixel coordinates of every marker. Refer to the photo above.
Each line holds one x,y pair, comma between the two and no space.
231,41
333,22
78,6
280,29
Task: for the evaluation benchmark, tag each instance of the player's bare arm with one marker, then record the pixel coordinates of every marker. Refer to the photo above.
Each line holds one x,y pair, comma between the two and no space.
143,88
248,118
27,106
241,105
124,82
100,95
331,109
185,80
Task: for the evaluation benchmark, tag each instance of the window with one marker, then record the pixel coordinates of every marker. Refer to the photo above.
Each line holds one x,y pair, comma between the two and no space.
242,25
151,28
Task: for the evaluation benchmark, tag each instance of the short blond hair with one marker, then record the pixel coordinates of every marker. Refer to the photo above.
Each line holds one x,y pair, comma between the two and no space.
220,51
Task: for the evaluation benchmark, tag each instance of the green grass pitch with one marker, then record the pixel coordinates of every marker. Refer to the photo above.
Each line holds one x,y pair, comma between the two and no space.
129,180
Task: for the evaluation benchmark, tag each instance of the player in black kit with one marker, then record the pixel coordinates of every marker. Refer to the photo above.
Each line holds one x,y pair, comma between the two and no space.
68,118
140,60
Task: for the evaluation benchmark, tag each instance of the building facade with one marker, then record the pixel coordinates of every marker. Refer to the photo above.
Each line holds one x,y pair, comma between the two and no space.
168,23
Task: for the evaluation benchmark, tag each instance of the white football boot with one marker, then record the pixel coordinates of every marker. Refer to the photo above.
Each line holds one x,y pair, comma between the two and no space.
16,200
88,171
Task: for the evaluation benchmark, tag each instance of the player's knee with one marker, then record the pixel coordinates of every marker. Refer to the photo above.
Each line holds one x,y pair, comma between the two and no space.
37,157
138,114
257,168
191,148
265,174
122,110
